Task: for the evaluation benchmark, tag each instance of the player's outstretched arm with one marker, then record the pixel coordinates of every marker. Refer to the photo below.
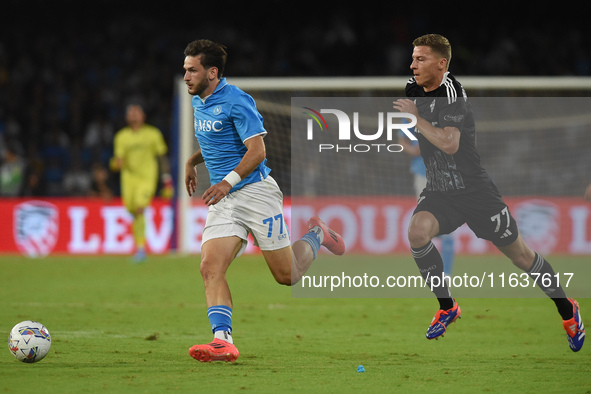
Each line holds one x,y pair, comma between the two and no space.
447,139
191,172
254,156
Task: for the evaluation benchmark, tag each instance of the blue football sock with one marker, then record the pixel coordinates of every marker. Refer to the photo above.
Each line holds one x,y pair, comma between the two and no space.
314,240
220,318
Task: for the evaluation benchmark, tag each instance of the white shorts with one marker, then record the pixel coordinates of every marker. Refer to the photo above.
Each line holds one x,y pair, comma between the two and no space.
257,208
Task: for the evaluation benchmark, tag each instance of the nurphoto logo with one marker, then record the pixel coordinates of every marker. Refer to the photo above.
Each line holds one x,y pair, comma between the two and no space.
389,125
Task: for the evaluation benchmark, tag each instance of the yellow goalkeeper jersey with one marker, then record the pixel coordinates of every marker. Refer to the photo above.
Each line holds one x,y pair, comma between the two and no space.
140,151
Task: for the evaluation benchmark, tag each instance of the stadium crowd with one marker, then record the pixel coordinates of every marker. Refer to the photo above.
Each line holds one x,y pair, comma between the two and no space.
65,81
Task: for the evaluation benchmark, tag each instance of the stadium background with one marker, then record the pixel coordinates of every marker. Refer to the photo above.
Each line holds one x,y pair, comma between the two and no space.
125,328
67,71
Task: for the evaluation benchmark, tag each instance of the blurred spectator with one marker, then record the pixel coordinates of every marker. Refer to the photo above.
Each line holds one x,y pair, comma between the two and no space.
98,138
56,157
34,181
12,172
101,185
77,181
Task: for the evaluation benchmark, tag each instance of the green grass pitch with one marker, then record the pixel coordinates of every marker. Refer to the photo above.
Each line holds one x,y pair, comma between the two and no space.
122,328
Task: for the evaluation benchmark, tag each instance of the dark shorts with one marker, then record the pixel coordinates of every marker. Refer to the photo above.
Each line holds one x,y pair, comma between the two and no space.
484,211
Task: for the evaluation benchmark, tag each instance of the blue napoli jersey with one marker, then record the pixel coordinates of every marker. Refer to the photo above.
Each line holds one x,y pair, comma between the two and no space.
223,121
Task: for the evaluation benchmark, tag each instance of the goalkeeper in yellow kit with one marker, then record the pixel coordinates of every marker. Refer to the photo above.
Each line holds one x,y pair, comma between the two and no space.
138,149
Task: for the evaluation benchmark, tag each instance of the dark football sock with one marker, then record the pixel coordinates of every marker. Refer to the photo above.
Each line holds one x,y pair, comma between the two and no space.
541,271
430,265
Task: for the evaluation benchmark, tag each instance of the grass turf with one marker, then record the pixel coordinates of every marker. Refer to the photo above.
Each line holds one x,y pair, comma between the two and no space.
120,327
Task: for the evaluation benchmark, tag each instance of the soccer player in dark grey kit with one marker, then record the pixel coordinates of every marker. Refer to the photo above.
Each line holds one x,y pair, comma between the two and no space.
460,191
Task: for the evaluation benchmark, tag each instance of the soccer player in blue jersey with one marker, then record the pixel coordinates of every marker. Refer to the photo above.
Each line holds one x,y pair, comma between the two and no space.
459,190
243,197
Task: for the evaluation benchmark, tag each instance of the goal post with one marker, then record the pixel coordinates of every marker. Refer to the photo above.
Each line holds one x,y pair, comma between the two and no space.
273,96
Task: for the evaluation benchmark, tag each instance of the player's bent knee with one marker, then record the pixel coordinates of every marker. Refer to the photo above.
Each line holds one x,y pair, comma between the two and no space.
283,278
210,269
423,227
282,275
418,236
205,269
280,264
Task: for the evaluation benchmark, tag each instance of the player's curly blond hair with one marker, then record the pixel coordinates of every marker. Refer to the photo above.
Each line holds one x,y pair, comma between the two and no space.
437,43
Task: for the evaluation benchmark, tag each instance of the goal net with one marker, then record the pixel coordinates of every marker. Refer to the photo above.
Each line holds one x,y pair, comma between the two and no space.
532,135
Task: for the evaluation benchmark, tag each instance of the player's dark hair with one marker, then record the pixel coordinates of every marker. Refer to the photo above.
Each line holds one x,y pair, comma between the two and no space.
437,43
212,54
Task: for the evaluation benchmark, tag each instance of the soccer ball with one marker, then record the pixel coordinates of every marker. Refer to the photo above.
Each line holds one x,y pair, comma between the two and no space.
29,341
